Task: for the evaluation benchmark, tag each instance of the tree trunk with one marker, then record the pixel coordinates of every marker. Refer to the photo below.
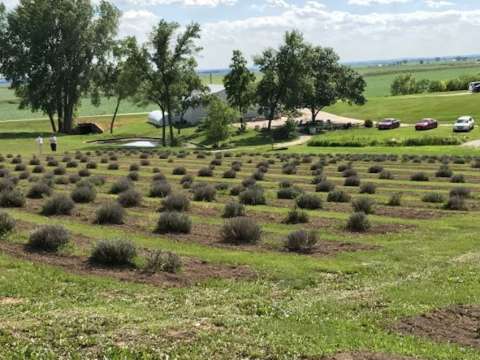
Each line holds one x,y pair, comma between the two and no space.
52,122
270,119
114,116
314,114
170,125
164,133
180,124
68,118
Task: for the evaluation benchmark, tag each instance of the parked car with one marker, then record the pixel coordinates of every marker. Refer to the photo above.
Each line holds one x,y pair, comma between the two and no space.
464,123
426,124
474,87
388,124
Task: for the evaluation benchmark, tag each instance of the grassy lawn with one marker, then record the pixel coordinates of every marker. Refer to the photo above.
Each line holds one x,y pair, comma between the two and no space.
410,109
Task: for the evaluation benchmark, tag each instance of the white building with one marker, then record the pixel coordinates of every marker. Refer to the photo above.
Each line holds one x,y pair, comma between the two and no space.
193,116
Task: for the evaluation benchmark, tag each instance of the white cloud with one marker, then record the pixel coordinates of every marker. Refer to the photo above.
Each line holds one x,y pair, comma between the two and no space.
354,36
438,4
376,2
188,3
278,4
137,23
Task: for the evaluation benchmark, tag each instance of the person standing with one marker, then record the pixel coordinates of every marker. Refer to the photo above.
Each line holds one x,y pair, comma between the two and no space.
40,144
53,143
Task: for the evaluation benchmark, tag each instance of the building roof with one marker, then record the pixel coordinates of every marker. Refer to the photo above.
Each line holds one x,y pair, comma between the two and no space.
214,89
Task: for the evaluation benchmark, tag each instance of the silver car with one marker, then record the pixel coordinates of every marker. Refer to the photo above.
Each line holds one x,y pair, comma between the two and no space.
464,123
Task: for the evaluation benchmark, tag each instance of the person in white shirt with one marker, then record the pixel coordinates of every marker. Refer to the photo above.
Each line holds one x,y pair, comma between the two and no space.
53,143
40,144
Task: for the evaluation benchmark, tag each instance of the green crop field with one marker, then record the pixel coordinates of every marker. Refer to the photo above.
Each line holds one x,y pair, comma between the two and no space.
352,291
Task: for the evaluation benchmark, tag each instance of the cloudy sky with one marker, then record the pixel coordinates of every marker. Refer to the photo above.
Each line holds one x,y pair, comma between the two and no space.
357,29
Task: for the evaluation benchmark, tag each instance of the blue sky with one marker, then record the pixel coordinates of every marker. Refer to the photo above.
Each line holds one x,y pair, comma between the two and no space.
357,29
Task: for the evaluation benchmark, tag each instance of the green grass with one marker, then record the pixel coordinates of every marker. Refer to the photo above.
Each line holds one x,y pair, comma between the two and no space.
410,109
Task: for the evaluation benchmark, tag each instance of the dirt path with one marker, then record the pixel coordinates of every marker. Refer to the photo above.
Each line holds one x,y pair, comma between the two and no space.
302,139
474,144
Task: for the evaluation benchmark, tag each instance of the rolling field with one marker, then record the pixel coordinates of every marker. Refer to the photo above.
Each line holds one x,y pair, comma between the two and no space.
410,109
353,291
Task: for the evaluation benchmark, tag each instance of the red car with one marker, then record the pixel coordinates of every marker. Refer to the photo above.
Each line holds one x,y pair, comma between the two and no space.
388,124
426,124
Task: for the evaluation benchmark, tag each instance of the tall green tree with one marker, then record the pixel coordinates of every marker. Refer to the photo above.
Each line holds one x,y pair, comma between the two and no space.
191,91
117,78
220,117
279,88
325,81
50,49
240,85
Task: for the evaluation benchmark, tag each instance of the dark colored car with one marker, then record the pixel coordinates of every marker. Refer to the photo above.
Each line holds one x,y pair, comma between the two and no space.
426,124
388,124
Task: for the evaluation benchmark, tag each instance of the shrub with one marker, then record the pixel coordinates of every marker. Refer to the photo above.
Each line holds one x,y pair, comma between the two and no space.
301,241
34,161
458,179
205,172
376,169
173,222
121,186
419,177
83,194
159,261
363,204
4,173
130,198
289,192
159,189
84,172
62,180
236,190
20,167
49,238
339,196
358,222
352,181
74,178
91,165
7,224
59,171
179,171
258,175
456,203
12,199
395,199
253,196
385,175
296,216
236,167
460,192
72,164
58,205
97,181
249,182
444,172
38,169
222,187
17,160
6,184
285,184
289,170
230,174
368,188
233,209
368,124
204,193
175,202
39,190
324,186
216,162
145,162
134,167
309,202
24,175
114,252
434,198
112,213
113,166
241,230
348,173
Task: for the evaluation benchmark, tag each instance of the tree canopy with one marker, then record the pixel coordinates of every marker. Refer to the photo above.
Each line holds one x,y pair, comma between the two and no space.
50,49
220,117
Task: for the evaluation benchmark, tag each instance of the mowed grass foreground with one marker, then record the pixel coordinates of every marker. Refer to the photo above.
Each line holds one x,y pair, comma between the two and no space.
344,296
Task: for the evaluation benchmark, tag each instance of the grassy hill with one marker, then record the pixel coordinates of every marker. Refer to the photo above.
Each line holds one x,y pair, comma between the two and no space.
410,109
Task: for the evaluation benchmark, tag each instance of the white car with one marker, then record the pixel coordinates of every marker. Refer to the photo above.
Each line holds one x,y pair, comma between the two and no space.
464,123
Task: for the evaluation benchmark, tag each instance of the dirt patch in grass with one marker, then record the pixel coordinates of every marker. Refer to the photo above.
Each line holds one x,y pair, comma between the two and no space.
194,270
457,324
363,355
11,300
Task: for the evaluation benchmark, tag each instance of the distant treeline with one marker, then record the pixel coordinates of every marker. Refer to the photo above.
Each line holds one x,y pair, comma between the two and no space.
406,84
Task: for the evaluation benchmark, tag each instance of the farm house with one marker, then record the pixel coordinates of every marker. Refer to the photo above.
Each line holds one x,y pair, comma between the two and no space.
193,116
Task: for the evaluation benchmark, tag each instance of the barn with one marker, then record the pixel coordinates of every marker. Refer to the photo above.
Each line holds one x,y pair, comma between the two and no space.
193,116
